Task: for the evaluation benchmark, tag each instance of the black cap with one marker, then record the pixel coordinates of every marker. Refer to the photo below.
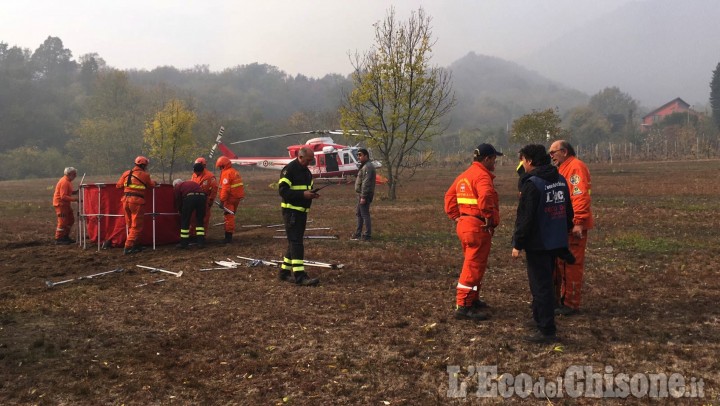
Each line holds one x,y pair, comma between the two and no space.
484,150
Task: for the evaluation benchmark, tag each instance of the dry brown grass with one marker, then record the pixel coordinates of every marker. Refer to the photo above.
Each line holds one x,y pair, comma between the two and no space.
380,329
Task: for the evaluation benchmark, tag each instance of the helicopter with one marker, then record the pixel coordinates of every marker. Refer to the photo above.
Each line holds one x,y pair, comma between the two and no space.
332,160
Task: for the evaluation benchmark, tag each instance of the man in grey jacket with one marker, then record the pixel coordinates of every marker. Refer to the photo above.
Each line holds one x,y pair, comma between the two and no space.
365,188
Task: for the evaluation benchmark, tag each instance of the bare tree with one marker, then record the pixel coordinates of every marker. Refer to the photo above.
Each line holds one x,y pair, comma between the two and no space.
399,100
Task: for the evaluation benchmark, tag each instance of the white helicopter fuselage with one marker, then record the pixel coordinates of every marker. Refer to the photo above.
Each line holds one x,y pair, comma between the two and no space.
331,160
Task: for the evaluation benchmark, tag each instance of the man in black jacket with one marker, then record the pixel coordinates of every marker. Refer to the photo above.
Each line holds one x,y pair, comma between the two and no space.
544,217
295,187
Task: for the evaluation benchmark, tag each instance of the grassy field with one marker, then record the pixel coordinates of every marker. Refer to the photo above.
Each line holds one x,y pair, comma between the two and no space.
378,331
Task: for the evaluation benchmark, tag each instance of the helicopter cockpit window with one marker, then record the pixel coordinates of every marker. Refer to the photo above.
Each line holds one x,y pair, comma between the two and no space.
354,157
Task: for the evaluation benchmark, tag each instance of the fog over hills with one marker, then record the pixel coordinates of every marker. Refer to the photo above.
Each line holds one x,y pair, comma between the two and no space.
653,50
491,92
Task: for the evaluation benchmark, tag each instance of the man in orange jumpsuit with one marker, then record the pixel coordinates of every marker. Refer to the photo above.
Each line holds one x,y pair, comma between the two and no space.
135,182
569,277
232,190
472,202
206,179
61,201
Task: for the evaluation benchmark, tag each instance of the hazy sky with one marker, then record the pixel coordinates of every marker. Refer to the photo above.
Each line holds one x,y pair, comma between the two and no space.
312,37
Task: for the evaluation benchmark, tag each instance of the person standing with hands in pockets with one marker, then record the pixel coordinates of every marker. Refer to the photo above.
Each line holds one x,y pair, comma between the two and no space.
365,189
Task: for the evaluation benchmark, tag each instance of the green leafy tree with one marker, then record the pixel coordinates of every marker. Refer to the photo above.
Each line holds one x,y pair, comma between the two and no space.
38,100
679,119
52,60
169,135
617,107
109,135
299,121
90,66
587,126
537,127
16,90
715,95
32,162
399,100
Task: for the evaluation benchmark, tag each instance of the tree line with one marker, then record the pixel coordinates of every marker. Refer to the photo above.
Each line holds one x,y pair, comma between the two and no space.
57,111
607,129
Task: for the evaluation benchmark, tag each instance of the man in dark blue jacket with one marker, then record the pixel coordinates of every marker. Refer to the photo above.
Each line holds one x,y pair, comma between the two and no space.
544,217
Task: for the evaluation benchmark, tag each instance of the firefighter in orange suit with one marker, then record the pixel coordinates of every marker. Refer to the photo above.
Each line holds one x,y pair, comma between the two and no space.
208,183
472,202
134,183
61,201
232,190
569,277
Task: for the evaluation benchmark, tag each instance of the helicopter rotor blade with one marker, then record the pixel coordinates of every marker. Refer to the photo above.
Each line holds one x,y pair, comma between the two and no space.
354,133
217,140
269,137
285,135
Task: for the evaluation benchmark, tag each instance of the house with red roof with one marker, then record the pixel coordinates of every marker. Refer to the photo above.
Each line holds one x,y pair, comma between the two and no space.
677,105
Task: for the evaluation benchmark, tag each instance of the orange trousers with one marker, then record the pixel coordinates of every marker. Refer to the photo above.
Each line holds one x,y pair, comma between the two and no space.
476,249
569,278
65,221
231,205
134,217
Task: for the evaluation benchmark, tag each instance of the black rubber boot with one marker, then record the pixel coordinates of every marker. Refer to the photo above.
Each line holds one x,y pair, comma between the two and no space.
201,241
468,313
285,275
479,304
301,279
228,238
132,250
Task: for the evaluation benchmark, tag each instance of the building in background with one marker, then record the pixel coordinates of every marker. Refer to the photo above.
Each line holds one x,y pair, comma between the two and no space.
656,116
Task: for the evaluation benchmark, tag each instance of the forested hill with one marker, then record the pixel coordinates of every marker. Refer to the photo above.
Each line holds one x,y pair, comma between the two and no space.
58,110
491,92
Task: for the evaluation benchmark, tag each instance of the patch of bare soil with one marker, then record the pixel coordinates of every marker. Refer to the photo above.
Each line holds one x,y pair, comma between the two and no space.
378,331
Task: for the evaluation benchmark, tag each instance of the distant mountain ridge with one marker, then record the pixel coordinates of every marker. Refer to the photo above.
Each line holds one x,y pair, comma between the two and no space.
491,92
653,50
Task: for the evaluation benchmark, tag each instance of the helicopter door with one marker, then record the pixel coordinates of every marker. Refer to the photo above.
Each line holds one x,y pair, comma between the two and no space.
331,162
